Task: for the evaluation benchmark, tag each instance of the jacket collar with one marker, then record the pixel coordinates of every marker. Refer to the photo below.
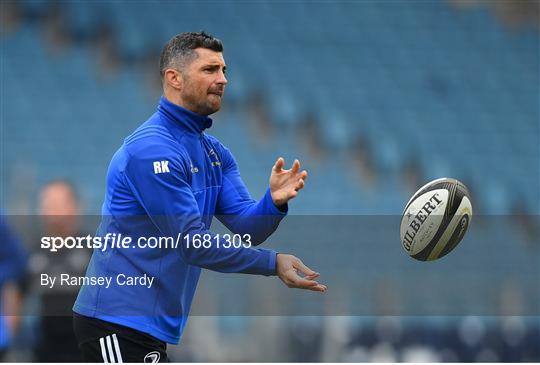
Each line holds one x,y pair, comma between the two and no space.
182,117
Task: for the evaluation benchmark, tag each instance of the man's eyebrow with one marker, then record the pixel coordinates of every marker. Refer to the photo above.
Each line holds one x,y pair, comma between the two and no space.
213,65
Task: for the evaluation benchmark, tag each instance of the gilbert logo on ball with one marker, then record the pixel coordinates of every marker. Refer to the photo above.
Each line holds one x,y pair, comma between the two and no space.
435,219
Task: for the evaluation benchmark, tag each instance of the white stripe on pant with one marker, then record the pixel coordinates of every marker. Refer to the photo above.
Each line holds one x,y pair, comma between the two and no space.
103,352
110,349
117,348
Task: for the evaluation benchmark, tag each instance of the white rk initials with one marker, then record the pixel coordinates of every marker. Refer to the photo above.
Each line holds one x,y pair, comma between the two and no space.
161,167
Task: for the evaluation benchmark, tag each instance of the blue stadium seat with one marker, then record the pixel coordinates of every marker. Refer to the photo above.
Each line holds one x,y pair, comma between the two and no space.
369,72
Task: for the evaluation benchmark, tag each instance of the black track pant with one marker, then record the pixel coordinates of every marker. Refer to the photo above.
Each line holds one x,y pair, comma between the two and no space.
107,342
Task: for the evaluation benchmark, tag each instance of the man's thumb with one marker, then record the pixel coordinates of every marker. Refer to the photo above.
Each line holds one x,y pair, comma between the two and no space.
306,270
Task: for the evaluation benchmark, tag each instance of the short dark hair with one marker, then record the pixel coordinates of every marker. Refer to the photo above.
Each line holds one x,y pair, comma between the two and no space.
179,49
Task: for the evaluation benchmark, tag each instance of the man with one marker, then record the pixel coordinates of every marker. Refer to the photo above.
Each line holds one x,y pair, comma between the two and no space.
59,212
169,178
13,260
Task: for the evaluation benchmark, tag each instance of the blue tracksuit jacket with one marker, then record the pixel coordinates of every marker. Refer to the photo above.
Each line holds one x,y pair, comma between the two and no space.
170,177
13,259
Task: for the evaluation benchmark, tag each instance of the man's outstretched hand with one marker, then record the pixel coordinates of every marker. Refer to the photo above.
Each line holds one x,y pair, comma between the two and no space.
288,267
284,184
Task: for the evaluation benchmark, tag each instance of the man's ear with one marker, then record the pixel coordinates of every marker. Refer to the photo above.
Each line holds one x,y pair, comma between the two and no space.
173,78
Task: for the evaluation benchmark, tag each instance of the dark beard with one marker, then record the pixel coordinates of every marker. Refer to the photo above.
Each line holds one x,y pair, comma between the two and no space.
202,108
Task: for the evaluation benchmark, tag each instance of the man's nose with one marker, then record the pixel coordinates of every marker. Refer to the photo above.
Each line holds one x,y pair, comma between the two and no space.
221,78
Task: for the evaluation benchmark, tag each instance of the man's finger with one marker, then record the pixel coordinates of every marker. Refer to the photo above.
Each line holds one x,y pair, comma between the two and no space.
303,175
308,285
313,276
296,166
299,265
298,281
320,288
299,185
278,166
302,283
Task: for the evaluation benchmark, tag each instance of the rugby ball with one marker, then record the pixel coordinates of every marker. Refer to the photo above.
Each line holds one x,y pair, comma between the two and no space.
435,219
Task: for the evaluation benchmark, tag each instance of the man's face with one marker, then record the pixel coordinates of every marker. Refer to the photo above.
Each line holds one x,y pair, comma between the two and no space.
204,82
58,208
